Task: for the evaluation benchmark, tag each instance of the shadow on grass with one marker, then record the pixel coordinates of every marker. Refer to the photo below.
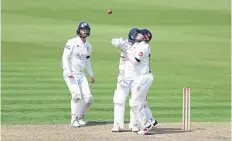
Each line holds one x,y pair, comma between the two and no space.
159,130
96,123
166,131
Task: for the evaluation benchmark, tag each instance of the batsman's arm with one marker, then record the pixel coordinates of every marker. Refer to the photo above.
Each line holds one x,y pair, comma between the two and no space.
88,67
131,57
138,55
66,56
121,65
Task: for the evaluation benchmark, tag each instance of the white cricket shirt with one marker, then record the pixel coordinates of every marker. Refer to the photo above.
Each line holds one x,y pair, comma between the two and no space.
76,57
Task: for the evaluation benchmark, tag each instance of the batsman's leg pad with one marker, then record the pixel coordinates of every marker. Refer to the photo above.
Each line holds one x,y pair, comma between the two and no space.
84,87
124,83
133,120
80,108
75,91
73,109
140,111
76,97
121,92
88,101
120,96
119,110
150,114
119,100
73,86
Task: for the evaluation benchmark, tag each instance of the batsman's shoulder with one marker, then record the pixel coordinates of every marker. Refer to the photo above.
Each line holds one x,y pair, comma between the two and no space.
88,42
90,45
143,46
75,40
146,46
69,43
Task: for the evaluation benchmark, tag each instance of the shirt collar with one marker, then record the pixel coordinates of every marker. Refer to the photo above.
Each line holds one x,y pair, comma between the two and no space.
79,40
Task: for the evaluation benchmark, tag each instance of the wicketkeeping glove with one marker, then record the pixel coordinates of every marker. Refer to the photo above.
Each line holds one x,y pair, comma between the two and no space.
120,43
116,41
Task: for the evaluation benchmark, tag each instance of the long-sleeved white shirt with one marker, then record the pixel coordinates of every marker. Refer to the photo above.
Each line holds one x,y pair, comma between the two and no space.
122,60
76,58
137,60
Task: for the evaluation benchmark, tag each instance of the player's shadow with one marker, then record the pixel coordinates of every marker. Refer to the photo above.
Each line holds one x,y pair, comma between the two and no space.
166,131
96,123
159,130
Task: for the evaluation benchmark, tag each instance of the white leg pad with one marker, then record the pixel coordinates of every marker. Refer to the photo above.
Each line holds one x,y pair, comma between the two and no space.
119,100
83,106
119,110
73,110
133,120
80,109
140,112
75,91
150,114
86,100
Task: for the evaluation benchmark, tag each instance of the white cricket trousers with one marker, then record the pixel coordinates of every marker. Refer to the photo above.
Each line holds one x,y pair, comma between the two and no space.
81,97
138,101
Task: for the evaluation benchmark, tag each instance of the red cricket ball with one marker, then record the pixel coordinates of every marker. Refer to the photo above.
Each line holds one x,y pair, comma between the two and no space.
109,11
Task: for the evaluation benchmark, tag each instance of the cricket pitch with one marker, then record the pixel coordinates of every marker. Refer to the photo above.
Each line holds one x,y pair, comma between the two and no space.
210,131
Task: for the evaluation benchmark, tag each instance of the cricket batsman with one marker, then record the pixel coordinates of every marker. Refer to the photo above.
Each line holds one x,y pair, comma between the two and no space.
122,91
76,59
141,77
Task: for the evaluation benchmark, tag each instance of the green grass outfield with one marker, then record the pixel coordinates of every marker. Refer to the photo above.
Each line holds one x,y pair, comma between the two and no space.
190,48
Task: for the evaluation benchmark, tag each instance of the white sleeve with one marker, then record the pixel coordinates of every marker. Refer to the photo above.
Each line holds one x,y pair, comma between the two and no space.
132,59
66,56
140,52
121,66
88,63
89,68
138,55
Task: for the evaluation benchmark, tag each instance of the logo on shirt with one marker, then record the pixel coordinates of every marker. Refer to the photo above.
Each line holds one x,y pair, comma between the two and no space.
81,56
140,53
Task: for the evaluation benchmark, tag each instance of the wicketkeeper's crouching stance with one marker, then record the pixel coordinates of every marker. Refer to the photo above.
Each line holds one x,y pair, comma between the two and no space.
75,59
141,77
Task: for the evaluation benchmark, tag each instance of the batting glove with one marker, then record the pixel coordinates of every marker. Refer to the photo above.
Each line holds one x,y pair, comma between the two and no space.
120,78
124,45
116,42
120,43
